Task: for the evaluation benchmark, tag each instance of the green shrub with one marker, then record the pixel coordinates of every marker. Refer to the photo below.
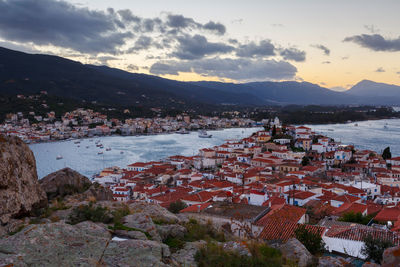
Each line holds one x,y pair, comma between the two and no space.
373,248
312,241
90,213
177,206
261,255
174,243
356,218
197,231
120,213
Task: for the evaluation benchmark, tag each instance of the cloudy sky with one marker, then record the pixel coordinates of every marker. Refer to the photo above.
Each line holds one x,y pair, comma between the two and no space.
332,43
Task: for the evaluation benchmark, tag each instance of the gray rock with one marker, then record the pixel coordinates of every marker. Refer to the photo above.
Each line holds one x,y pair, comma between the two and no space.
64,182
391,257
171,230
294,250
55,244
185,256
238,247
154,211
130,234
328,261
142,222
20,192
133,253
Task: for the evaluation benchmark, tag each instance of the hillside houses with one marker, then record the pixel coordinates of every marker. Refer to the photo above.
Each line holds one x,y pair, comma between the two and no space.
280,183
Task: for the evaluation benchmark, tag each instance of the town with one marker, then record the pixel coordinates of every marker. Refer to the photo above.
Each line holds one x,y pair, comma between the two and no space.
269,184
82,123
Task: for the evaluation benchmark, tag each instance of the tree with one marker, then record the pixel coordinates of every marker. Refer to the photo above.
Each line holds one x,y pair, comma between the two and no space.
356,217
274,131
305,161
386,153
177,206
311,240
374,247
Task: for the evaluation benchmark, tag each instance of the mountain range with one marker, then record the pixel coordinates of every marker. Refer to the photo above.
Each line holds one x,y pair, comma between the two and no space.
22,73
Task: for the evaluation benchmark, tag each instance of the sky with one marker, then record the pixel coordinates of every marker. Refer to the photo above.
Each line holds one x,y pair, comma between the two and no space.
331,43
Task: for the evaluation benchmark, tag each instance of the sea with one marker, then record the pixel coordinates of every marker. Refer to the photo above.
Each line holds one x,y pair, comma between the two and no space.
373,135
84,156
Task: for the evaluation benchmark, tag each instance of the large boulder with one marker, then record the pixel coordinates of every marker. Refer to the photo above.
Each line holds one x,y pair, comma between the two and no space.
185,256
135,253
391,257
294,250
155,211
64,182
55,244
20,192
171,230
142,222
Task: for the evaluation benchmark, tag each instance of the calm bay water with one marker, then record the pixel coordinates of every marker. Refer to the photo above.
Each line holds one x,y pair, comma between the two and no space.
135,148
374,135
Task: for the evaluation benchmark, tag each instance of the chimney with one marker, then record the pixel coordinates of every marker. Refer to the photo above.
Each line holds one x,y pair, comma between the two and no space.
198,208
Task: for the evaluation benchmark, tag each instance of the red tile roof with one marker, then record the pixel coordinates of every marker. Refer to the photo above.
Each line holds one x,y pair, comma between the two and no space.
286,213
284,230
196,208
388,214
357,233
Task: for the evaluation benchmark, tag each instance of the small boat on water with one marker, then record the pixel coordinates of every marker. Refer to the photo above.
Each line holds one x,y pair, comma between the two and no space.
59,157
331,130
204,134
122,152
99,145
100,153
356,124
385,127
87,146
182,131
108,149
77,142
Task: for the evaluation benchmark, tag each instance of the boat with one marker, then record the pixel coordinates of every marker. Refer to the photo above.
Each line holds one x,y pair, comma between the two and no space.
385,127
99,145
100,153
204,134
331,130
122,152
59,157
108,149
87,146
356,124
182,131
77,142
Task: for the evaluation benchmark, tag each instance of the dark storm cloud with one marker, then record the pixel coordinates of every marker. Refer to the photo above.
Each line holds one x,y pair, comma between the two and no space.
179,21
47,22
128,17
238,69
375,42
143,43
197,46
325,49
252,49
215,26
293,54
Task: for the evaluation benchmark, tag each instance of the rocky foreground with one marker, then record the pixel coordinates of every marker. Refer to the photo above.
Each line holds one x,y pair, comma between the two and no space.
65,220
